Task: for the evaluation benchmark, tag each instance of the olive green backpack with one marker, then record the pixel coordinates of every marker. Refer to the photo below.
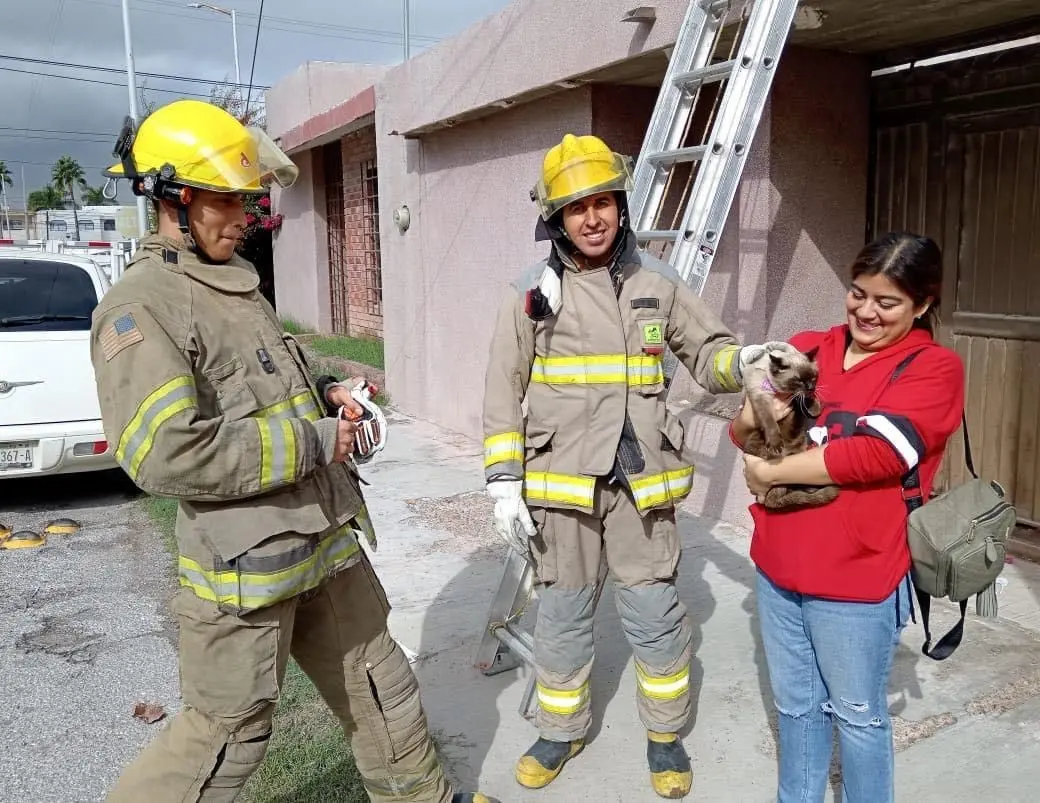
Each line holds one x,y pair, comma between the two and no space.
958,542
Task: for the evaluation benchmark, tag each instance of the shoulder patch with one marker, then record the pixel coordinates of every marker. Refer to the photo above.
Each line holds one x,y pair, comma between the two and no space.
118,335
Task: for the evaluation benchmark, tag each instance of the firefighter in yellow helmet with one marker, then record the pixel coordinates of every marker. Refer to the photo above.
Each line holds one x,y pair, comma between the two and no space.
207,401
595,468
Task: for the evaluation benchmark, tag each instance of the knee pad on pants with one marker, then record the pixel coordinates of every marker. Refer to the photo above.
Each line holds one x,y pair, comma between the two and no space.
655,622
563,633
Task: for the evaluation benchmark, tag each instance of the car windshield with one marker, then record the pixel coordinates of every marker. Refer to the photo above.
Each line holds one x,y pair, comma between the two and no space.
42,296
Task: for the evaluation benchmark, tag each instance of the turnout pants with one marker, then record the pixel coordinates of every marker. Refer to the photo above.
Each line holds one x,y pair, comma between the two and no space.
231,672
643,556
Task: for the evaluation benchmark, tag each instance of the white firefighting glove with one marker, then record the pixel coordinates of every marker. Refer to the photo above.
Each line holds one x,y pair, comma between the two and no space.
371,423
748,354
512,519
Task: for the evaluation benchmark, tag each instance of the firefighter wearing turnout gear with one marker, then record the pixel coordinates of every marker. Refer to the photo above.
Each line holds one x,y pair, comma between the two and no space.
596,464
205,400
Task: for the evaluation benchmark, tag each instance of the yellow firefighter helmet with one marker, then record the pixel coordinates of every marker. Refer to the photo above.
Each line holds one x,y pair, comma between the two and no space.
576,168
192,143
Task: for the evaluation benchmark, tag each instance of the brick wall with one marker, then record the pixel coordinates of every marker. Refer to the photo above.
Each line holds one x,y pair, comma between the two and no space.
361,221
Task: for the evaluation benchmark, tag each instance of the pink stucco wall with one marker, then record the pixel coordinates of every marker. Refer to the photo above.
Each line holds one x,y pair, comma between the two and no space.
472,231
301,254
797,221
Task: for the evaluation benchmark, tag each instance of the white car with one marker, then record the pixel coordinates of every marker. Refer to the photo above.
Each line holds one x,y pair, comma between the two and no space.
50,420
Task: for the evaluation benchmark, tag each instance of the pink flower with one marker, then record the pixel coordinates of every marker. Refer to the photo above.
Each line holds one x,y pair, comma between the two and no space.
250,219
264,203
268,224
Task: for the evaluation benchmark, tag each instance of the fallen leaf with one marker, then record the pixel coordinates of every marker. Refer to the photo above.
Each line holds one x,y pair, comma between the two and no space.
149,712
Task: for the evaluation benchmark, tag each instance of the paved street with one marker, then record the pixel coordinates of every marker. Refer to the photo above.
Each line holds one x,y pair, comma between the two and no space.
83,636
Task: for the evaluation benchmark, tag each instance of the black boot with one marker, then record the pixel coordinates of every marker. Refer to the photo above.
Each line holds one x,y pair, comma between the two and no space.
540,765
471,797
670,772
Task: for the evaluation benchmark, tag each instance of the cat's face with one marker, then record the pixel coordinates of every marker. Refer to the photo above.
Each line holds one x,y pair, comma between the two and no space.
794,372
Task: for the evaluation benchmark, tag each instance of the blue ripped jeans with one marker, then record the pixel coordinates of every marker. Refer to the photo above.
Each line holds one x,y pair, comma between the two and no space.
829,664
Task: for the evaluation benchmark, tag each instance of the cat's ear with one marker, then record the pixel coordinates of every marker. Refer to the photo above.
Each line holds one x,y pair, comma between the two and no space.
811,353
777,361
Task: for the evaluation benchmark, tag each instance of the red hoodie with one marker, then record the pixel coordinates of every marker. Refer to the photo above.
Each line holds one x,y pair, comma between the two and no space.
876,430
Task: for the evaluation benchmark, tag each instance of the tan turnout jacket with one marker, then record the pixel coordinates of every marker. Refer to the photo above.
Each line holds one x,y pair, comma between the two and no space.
204,399
583,368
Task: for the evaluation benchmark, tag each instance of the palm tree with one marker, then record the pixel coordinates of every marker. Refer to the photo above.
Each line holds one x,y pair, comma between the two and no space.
93,196
47,198
67,174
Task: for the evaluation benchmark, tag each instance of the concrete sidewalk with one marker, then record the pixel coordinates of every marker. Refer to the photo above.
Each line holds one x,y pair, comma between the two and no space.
966,728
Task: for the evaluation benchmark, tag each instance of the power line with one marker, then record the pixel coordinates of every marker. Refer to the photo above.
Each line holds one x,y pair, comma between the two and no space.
104,83
54,131
393,36
121,71
256,45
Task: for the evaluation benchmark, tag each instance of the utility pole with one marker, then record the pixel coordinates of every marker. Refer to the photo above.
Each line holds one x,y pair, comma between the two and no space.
25,205
131,81
234,32
407,29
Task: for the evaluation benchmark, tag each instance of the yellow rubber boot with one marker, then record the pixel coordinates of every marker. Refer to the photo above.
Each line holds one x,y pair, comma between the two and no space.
540,765
670,771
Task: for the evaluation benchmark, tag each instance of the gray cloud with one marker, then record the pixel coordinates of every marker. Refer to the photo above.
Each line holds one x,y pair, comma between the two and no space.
170,38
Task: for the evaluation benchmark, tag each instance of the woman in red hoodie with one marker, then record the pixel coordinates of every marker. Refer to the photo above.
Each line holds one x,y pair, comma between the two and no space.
833,581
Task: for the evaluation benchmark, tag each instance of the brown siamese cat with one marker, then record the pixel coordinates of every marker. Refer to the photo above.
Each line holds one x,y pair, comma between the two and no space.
789,372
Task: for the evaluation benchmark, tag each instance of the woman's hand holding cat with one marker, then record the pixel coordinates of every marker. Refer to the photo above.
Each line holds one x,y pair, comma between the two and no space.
758,474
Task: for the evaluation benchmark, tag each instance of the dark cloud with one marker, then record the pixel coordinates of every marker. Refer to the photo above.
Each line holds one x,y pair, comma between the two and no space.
172,39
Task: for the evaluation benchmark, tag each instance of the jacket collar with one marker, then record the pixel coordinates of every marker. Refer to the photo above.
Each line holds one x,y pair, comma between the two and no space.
235,276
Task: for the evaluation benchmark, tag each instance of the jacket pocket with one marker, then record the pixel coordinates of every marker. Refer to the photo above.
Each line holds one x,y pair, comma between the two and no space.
646,365
673,433
235,396
538,446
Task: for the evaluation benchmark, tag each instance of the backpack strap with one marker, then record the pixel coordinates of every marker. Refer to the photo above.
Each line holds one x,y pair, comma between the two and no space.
913,498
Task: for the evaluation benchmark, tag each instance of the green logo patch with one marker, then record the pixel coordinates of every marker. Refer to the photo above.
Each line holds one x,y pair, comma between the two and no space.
652,334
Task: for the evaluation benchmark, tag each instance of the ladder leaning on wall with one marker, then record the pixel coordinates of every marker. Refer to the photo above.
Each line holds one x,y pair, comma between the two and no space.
689,167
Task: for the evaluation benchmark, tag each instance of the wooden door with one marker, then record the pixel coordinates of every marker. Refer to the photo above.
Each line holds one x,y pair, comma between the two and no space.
992,294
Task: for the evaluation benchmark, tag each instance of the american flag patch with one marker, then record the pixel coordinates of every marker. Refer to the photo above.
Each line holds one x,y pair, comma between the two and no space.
119,334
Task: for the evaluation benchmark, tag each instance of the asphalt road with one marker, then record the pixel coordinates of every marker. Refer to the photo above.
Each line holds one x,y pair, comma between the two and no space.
84,636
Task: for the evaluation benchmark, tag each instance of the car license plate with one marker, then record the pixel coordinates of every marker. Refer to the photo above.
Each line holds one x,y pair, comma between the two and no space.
16,455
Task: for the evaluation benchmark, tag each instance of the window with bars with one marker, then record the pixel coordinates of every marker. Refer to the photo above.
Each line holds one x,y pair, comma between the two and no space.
373,274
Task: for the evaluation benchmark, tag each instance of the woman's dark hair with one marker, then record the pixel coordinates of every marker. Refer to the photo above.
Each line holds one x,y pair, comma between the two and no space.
913,263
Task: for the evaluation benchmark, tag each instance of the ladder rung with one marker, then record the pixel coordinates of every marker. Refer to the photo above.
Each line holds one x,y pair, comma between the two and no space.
515,642
657,234
693,154
706,75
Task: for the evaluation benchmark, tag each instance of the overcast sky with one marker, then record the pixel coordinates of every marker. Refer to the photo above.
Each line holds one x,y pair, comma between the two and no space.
81,119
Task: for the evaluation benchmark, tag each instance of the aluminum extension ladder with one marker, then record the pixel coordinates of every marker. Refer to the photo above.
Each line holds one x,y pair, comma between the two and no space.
723,94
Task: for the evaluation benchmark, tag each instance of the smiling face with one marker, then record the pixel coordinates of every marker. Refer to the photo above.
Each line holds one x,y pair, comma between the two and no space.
592,224
879,312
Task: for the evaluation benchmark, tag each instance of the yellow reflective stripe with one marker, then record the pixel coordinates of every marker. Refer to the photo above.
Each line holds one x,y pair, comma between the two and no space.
667,486
158,407
251,590
724,368
667,688
645,369
277,452
509,446
563,701
302,405
598,369
546,487
590,369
